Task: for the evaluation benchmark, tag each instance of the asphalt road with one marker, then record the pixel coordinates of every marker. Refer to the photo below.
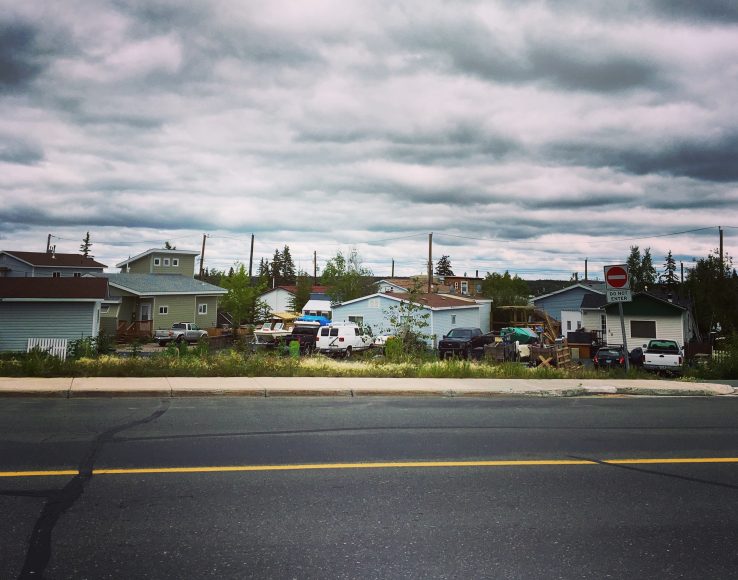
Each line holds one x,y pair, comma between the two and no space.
555,509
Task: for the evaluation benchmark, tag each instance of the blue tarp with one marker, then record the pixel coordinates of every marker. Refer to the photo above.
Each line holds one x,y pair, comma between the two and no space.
321,320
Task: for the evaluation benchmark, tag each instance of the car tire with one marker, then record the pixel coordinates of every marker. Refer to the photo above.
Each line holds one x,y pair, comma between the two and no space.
347,354
180,339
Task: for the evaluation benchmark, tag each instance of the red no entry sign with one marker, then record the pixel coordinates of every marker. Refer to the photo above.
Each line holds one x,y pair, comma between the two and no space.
616,277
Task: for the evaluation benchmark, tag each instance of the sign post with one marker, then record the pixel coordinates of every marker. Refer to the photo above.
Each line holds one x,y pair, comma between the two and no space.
617,285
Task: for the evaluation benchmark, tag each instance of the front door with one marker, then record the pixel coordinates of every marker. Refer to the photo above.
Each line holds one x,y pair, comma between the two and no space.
145,311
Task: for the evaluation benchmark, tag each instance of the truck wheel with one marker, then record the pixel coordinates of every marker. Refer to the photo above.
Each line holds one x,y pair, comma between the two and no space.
179,339
348,352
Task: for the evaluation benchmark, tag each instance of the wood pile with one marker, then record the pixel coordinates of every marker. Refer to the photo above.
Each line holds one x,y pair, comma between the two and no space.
551,356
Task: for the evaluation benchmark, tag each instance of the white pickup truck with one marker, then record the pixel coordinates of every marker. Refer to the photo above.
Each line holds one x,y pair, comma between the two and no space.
663,356
180,332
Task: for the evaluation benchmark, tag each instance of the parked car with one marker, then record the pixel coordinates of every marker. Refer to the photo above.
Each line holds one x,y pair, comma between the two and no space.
663,356
342,339
609,357
180,332
463,342
305,334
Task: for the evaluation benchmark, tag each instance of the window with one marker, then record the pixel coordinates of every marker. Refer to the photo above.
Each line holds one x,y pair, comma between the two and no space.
56,274
166,261
568,325
359,320
465,287
643,328
456,285
453,319
78,274
374,303
603,324
163,309
157,261
579,324
175,261
202,308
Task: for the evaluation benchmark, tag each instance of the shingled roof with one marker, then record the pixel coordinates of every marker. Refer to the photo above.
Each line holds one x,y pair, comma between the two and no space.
55,259
53,288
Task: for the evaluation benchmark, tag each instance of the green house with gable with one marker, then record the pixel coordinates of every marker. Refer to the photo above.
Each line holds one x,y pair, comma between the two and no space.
154,290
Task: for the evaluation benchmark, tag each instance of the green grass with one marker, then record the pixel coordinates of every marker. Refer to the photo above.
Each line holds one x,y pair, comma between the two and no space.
173,363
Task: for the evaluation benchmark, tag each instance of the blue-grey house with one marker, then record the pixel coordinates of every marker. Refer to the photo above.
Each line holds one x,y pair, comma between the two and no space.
39,307
568,299
443,312
46,264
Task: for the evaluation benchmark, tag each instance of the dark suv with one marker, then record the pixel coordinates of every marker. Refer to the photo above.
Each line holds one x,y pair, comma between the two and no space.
608,357
305,335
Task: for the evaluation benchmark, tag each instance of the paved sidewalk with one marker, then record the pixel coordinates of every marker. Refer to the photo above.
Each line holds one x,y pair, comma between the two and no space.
348,387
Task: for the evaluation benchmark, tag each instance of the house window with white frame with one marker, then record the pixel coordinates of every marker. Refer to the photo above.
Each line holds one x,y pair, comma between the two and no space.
202,308
166,262
175,262
465,287
77,274
56,274
157,261
358,320
163,309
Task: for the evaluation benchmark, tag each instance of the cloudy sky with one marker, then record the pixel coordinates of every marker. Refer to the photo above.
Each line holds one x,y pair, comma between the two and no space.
526,136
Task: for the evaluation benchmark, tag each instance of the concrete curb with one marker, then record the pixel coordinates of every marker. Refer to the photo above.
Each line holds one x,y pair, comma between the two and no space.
347,387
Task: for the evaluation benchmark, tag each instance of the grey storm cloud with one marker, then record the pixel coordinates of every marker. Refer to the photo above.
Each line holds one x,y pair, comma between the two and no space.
20,61
701,159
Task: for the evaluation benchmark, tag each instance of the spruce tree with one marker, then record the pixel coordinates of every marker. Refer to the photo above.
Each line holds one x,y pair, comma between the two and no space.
648,272
86,245
288,266
669,277
277,268
443,266
634,269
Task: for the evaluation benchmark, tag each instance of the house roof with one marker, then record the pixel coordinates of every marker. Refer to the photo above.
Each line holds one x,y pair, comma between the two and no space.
598,301
598,287
157,251
150,284
292,289
55,259
432,301
314,304
53,288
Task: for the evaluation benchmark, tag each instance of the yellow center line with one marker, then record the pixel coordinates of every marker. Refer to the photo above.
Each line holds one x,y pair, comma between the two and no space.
374,465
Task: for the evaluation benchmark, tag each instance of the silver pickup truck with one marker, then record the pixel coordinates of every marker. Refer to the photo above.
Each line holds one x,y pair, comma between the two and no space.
180,332
663,356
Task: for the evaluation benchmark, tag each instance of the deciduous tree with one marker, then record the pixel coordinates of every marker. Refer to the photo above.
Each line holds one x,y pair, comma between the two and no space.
346,278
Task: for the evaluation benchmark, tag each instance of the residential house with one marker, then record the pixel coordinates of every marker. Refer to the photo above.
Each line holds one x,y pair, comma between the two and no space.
46,265
463,285
406,284
319,304
648,316
565,304
280,298
443,312
37,307
156,289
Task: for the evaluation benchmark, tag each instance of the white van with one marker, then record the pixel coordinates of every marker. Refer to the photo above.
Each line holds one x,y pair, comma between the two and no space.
342,338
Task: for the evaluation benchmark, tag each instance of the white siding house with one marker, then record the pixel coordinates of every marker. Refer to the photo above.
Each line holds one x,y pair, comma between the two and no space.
279,299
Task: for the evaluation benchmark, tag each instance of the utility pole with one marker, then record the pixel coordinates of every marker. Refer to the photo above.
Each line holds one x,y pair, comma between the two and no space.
430,261
393,268
722,267
315,266
251,258
202,256
682,263
585,269
48,244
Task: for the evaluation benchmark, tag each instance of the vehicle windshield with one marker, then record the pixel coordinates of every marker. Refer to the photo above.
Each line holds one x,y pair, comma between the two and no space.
459,333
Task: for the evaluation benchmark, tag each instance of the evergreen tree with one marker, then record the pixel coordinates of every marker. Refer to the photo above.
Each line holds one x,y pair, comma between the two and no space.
231,272
648,272
669,277
443,266
86,245
288,266
634,269
277,269
714,291
264,272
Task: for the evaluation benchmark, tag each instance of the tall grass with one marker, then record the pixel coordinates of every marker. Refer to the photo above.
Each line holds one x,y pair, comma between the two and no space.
198,363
